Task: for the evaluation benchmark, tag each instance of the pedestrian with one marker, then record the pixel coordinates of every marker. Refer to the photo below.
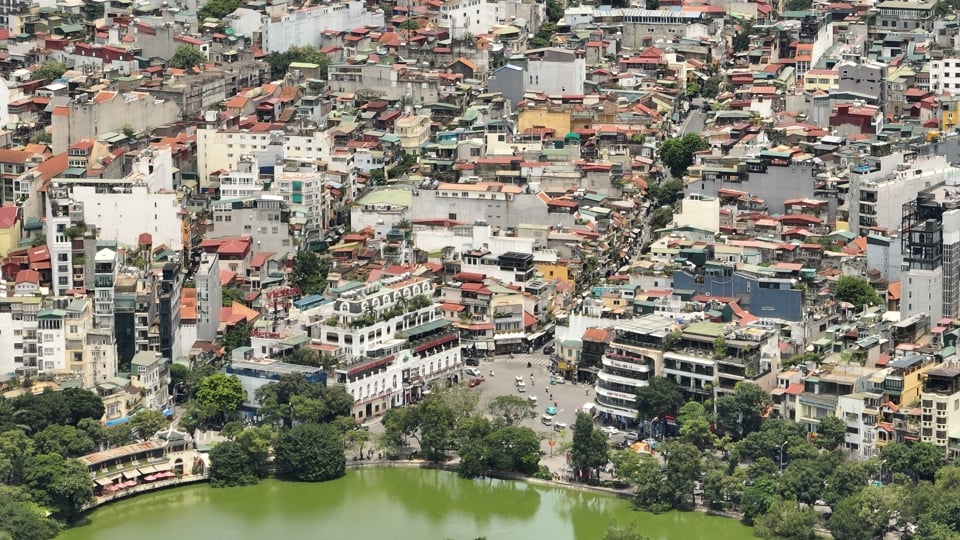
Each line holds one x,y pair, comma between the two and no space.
555,404
586,392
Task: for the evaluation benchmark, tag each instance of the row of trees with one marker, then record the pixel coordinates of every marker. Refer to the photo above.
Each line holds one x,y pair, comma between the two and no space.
775,474
41,485
305,427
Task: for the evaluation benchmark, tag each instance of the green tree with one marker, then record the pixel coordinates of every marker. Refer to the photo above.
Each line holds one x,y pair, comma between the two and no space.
831,432
16,447
847,479
652,492
238,335
119,435
280,62
179,373
695,425
513,449
758,498
310,453
410,24
693,89
677,152
217,9
803,480
590,446
856,291
67,441
742,412
788,521
220,395
660,218
49,71
660,397
310,272
711,86
23,519
63,485
230,466
437,422
862,516
186,57
682,470
148,423
510,410
925,460
554,11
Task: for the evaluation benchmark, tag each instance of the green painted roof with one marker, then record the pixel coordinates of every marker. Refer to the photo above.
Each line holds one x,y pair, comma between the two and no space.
394,197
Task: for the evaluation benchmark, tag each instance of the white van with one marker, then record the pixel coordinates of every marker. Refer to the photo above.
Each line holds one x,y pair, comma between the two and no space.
546,420
521,386
519,379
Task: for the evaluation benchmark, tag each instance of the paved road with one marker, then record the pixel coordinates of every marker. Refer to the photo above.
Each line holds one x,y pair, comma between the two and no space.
693,123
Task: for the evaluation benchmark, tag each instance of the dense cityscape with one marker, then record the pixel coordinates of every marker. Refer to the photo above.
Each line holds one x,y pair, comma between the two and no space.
702,257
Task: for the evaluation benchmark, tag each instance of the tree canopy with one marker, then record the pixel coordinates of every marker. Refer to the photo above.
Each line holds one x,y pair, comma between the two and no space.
280,62
660,397
677,152
186,57
218,9
857,291
49,71
310,453
310,272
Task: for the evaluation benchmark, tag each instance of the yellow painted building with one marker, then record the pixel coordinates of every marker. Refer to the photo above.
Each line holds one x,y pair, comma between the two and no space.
820,79
557,120
555,270
10,229
949,112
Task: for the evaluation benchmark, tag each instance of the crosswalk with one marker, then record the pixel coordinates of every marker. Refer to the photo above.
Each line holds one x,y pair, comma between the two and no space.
534,359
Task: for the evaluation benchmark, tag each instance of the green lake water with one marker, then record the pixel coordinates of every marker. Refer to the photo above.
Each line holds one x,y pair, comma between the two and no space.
387,504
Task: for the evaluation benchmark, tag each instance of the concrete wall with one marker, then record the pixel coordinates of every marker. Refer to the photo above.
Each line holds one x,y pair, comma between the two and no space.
524,208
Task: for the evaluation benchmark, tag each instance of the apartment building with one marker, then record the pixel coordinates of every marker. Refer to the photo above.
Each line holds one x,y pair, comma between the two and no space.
881,184
393,341
150,372
304,26
939,406
930,239
904,16
634,356
85,117
267,218
209,297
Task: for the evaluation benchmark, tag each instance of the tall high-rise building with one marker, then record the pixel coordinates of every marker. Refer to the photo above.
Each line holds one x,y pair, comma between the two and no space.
105,277
930,237
209,297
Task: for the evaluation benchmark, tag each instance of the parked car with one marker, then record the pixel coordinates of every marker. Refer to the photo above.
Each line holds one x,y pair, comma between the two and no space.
610,430
631,436
548,349
533,399
559,426
473,372
518,378
546,420
475,382
552,411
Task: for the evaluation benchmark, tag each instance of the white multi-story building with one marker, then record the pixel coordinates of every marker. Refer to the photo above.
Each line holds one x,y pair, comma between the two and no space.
106,264
945,75
243,182
150,372
393,340
209,297
99,357
880,186
224,149
861,436
555,71
18,335
144,201
305,26
305,188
